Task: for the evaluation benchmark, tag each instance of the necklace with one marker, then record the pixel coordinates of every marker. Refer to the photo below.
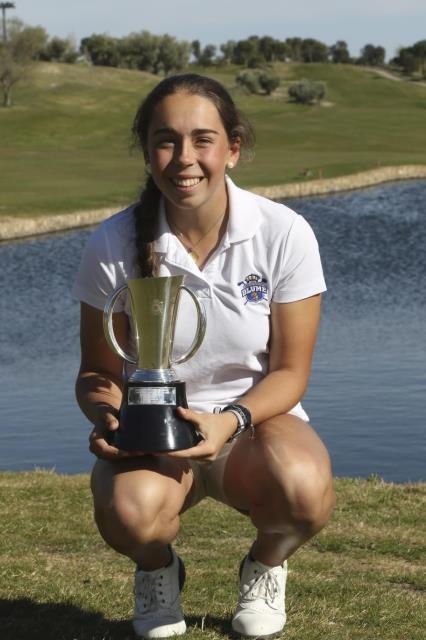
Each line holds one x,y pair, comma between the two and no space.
191,249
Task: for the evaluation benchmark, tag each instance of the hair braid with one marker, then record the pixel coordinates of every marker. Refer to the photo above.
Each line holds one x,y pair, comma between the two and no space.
146,224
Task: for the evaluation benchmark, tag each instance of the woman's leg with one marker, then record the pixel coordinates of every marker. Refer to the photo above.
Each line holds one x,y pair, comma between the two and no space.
283,478
137,505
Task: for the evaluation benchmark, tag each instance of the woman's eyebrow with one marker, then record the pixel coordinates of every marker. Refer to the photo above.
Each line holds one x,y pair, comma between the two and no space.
195,132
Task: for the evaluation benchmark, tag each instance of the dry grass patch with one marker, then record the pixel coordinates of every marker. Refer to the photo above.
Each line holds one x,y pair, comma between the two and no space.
362,578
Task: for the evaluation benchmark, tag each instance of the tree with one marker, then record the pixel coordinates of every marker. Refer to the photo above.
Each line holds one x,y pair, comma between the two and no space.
207,55
24,44
372,56
406,61
419,51
294,49
271,49
196,49
227,50
339,52
140,50
246,52
314,51
172,55
60,50
101,49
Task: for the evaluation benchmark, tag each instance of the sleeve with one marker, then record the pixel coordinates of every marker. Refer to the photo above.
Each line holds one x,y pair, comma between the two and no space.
100,271
300,273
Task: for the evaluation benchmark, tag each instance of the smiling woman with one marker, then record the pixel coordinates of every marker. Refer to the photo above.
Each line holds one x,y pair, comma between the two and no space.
256,266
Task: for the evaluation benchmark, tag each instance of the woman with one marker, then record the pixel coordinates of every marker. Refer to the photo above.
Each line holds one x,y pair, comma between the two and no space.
255,265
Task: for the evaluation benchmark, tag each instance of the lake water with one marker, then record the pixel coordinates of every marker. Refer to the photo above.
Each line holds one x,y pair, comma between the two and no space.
367,396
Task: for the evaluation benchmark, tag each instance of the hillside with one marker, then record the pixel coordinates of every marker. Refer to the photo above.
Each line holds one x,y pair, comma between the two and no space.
65,143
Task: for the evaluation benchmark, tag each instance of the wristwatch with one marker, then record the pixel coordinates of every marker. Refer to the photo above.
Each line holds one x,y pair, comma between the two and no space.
243,416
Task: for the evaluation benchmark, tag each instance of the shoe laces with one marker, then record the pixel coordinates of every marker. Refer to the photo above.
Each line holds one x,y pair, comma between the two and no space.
151,592
265,586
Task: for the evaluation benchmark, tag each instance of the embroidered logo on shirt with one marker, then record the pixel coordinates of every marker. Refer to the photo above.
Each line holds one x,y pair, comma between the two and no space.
254,288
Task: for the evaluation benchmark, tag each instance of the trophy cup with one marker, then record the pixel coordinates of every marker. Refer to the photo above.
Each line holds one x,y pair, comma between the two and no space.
148,418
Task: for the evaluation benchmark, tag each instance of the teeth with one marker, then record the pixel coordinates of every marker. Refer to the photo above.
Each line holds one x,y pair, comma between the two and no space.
186,182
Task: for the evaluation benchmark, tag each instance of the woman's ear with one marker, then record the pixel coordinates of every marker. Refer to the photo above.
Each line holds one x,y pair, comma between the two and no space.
234,153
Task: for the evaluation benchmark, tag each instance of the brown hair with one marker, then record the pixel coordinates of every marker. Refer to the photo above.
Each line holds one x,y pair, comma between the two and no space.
236,127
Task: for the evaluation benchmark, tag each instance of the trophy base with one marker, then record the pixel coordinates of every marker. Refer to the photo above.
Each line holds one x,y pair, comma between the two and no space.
149,421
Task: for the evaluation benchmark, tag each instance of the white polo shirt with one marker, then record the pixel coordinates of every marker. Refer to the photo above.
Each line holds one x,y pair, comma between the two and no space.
268,253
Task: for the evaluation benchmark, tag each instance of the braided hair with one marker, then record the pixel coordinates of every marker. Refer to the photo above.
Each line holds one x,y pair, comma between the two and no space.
236,127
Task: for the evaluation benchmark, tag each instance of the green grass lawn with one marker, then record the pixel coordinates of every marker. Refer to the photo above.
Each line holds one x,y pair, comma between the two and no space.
65,142
362,578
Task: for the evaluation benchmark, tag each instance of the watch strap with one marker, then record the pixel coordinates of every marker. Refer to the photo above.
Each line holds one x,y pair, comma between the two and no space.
243,416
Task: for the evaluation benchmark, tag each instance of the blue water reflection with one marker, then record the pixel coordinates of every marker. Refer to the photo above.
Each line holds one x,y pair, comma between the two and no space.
367,392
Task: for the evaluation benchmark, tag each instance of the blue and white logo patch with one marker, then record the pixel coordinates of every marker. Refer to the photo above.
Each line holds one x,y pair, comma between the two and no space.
254,288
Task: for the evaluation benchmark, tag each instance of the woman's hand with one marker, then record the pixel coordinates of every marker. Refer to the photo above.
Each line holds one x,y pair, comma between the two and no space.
214,428
100,437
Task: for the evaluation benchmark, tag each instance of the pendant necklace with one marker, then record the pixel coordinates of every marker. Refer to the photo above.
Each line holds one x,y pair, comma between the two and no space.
191,249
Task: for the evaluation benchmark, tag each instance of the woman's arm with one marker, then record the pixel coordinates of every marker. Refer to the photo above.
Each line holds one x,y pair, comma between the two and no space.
99,381
294,327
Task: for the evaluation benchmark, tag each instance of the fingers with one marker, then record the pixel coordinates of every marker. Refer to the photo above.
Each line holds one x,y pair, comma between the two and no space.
189,415
100,438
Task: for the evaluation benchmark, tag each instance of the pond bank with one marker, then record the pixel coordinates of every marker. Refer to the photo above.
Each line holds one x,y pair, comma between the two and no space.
17,227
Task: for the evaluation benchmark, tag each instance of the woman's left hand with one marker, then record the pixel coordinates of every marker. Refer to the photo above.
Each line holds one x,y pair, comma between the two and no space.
215,429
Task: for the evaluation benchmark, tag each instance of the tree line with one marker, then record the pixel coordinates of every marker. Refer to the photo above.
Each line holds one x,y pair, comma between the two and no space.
163,54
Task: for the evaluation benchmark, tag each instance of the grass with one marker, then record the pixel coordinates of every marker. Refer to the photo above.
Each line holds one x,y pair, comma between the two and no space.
65,143
362,578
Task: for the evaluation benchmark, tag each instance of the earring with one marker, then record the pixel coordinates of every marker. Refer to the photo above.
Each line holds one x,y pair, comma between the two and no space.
230,165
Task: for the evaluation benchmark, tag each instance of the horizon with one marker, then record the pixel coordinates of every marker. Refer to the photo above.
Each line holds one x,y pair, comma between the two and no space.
388,23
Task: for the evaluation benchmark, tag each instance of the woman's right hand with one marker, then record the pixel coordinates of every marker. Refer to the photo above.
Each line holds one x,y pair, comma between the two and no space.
101,436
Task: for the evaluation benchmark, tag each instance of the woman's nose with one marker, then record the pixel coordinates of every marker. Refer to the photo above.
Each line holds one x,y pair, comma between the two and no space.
184,153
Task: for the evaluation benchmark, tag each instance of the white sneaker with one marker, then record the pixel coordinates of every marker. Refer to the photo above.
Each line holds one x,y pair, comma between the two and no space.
157,612
261,606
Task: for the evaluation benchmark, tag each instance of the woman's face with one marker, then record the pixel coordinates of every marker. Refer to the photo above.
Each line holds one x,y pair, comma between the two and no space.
188,150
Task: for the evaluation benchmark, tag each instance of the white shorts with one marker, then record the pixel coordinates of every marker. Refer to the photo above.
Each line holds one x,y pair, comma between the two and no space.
208,477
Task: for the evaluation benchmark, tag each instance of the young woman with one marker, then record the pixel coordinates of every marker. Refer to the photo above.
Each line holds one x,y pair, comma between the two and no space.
255,265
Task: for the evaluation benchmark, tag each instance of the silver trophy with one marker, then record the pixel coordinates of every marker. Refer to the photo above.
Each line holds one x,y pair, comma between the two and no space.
148,418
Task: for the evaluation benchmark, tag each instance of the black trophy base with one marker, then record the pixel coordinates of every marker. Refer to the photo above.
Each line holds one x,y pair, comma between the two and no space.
153,428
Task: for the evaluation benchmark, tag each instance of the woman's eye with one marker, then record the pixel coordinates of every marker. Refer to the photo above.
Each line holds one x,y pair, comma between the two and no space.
203,142
164,144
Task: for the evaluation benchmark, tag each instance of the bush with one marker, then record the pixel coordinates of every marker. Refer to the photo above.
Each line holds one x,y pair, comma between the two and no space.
307,92
258,81
268,82
248,80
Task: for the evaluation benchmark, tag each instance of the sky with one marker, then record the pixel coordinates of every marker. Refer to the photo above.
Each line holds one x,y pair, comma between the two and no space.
389,23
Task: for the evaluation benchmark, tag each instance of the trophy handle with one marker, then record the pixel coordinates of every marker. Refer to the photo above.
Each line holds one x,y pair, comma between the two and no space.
201,328
108,327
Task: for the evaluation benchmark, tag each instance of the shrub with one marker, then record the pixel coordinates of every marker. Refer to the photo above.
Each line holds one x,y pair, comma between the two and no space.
268,82
248,80
307,92
258,81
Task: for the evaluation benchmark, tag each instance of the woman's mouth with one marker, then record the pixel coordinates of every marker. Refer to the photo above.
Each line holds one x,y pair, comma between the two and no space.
186,182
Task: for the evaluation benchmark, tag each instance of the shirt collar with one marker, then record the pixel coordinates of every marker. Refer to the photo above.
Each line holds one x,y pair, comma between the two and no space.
244,218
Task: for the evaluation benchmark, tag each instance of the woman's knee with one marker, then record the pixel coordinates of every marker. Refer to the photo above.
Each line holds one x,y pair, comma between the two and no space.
294,484
307,493
136,505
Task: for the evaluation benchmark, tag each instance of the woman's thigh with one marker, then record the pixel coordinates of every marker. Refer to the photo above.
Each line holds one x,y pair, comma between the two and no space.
285,466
